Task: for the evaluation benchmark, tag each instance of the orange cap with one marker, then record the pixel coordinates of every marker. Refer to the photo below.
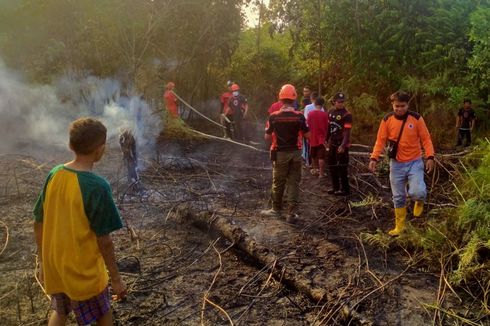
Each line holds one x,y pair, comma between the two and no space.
235,87
288,92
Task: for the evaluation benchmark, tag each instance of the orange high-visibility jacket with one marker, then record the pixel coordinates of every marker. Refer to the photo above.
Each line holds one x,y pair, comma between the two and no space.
415,136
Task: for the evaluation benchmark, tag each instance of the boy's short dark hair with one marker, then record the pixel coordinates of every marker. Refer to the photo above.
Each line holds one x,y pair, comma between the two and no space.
400,96
319,101
314,94
467,100
86,135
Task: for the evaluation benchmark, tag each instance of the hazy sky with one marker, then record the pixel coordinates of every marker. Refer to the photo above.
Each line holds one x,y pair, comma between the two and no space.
252,14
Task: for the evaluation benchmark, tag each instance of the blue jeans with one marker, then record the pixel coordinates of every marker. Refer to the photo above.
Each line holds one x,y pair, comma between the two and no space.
411,173
305,152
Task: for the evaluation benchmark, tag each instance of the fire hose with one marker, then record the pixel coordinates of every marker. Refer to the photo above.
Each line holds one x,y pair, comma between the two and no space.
218,124
242,144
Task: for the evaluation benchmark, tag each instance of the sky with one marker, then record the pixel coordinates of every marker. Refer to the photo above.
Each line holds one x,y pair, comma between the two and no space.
252,14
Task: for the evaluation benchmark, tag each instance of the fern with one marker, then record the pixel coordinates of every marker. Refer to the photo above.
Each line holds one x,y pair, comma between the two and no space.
379,239
369,200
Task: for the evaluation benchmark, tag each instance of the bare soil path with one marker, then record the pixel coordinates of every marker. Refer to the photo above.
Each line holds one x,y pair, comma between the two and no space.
172,267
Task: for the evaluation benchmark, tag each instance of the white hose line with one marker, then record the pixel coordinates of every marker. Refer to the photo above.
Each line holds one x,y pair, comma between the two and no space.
229,140
199,113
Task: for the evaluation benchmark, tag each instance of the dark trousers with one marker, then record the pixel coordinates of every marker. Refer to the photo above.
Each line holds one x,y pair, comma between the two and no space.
338,164
238,132
286,174
464,134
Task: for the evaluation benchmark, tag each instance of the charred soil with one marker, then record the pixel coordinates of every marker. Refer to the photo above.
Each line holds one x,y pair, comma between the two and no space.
181,271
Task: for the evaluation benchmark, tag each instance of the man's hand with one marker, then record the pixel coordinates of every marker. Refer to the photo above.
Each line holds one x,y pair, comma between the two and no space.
429,165
341,149
372,165
119,288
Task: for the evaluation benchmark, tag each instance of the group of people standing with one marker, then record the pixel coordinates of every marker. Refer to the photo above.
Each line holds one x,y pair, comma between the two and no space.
316,134
296,135
328,140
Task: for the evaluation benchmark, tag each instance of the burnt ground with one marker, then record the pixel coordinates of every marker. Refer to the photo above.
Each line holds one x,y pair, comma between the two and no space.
170,265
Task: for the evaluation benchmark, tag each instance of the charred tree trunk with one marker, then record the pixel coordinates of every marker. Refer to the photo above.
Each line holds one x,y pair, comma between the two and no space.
260,253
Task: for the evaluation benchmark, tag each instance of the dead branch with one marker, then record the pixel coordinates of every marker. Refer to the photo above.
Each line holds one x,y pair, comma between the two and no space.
6,237
206,294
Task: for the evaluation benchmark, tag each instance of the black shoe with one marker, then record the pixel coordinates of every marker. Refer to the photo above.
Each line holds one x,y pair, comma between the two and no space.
332,191
342,193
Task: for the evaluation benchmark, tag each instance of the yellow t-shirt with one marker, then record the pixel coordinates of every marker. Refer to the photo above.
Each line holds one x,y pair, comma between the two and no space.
75,207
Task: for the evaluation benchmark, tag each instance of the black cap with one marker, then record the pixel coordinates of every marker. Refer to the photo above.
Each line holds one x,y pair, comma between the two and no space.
339,96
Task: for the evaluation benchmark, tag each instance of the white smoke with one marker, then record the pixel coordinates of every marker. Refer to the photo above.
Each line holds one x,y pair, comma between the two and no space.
40,114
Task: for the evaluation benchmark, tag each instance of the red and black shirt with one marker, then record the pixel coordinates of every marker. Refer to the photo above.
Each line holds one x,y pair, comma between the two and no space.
236,105
338,121
287,128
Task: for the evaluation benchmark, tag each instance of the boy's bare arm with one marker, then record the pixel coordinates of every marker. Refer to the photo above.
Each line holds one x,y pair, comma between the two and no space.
38,235
106,248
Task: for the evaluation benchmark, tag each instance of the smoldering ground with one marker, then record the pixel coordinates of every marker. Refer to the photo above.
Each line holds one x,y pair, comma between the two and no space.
34,115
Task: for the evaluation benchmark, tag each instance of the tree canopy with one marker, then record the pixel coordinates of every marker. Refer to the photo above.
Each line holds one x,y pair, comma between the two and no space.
438,50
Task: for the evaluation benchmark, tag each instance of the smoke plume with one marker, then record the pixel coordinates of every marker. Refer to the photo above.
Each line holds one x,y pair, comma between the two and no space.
39,115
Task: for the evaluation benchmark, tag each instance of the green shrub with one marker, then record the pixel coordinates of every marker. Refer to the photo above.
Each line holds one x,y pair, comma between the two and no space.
460,236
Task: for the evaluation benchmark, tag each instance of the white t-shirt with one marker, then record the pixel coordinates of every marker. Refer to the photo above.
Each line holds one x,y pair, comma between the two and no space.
308,109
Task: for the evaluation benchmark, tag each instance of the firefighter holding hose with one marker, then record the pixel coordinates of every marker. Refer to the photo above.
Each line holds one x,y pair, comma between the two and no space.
171,100
237,111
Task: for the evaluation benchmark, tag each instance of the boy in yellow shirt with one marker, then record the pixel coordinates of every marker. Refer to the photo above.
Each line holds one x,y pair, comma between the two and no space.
73,218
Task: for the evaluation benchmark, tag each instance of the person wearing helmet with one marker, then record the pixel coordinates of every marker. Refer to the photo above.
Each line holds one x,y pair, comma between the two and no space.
171,100
286,128
237,111
338,140
225,108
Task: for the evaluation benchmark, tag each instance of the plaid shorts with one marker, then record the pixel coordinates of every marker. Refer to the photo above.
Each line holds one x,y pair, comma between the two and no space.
87,311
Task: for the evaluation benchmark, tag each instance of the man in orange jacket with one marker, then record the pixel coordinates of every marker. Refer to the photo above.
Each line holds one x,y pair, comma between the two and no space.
407,134
171,100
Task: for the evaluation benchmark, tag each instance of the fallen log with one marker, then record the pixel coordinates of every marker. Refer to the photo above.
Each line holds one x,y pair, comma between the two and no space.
265,257
260,253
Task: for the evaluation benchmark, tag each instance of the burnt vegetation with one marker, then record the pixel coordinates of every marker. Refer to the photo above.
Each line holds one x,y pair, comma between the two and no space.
194,249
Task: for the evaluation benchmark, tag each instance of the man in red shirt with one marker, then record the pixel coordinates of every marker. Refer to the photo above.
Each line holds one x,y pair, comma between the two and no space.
276,106
318,123
171,100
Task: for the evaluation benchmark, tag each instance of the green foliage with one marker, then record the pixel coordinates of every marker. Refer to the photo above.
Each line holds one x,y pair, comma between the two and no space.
261,68
460,236
438,50
175,128
369,200
379,239
479,62
144,43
